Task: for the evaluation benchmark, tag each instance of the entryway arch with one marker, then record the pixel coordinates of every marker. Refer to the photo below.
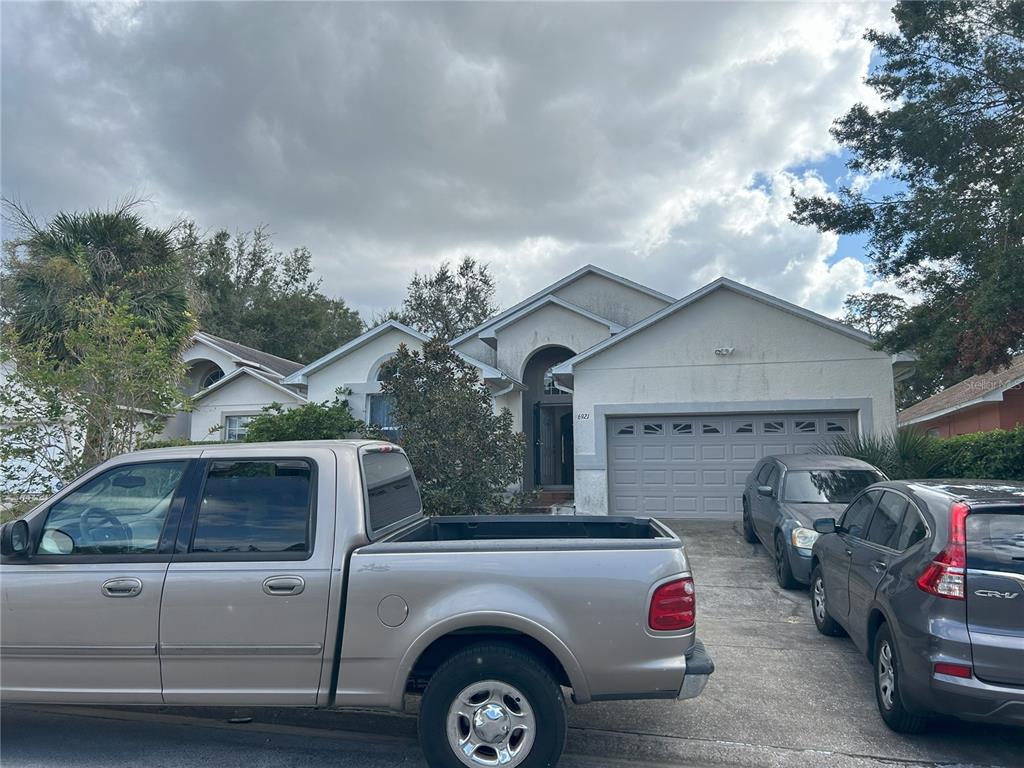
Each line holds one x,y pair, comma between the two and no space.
547,422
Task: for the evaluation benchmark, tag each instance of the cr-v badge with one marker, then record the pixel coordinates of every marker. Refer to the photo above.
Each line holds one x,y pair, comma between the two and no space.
994,593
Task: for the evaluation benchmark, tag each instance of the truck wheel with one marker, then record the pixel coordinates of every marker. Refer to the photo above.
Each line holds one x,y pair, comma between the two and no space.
888,686
748,527
819,606
492,704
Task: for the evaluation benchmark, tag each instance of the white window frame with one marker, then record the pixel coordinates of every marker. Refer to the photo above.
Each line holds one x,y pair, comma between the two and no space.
226,429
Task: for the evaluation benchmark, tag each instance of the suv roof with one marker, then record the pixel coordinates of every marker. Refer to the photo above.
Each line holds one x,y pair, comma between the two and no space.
970,491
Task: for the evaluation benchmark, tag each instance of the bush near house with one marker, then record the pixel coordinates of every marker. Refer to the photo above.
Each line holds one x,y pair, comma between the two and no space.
314,421
997,455
908,453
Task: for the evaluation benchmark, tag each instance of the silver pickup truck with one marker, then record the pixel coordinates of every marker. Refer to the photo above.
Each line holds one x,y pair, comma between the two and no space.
305,574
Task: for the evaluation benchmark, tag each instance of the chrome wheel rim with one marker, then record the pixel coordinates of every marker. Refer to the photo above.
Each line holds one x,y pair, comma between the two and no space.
491,723
819,601
886,675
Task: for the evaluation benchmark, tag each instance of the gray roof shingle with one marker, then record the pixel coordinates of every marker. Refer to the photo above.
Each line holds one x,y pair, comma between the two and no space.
280,365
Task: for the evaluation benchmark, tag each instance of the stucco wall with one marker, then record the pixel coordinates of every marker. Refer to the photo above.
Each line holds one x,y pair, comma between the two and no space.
550,325
478,350
244,395
203,351
355,369
777,358
610,299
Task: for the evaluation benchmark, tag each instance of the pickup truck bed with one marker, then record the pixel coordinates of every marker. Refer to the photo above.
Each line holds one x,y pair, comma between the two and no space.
640,533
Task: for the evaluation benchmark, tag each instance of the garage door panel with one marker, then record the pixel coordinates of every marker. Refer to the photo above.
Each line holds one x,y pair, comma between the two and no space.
696,467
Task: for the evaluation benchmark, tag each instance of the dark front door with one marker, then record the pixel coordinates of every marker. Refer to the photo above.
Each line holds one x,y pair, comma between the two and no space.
565,427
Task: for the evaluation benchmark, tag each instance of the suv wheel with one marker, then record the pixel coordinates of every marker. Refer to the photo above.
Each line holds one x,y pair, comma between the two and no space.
783,573
819,606
492,704
748,528
887,686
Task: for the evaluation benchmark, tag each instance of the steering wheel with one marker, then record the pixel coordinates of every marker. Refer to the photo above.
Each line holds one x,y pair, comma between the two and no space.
100,526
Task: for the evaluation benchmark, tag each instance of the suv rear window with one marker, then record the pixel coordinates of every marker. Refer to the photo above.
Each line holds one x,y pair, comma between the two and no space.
995,541
391,492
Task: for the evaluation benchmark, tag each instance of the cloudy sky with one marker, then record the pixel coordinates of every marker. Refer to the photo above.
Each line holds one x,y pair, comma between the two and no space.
658,141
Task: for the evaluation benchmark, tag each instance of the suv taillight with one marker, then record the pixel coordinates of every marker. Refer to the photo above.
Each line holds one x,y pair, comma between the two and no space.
944,576
673,606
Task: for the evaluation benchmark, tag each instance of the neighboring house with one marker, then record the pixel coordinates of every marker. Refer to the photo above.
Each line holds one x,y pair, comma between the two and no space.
636,402
981,403
229,384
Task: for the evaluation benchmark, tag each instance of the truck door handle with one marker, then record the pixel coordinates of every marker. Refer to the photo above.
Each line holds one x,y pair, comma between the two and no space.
284,585
877,566
123,586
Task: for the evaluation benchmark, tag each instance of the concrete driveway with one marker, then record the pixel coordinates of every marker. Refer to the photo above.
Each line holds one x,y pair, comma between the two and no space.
782,695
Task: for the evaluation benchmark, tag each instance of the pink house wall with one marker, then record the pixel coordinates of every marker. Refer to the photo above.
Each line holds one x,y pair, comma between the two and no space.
981,418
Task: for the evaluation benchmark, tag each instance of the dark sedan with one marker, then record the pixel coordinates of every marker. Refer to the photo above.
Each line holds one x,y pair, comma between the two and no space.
786,494
927,578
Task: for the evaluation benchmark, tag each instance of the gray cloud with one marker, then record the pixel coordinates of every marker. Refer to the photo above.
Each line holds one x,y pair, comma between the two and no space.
387,137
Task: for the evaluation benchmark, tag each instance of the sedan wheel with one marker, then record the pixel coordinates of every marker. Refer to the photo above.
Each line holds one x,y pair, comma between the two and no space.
783,573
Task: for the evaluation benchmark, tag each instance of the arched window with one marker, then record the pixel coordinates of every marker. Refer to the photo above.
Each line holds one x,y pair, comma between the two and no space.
214,375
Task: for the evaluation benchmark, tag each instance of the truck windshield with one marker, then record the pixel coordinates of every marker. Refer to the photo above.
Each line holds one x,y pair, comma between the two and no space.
828,486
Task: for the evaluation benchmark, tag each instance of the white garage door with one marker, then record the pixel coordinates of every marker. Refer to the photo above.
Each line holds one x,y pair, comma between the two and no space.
696,466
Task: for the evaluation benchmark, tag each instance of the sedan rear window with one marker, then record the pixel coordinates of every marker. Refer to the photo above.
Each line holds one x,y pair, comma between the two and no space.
828,486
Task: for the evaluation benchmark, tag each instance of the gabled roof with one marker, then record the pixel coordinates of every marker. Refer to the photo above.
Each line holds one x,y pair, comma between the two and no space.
519,308
983,388
299,376
249,355
550,299
487,372
722,283
273,381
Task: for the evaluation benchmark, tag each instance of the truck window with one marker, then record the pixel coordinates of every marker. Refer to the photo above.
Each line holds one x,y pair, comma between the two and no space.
120,512
249,507
391,492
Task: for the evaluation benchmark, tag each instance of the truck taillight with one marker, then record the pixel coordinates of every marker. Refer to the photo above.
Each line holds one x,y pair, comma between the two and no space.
944,576
673,606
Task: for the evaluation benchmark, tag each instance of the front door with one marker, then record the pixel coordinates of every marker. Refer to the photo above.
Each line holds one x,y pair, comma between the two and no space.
246,599
80,616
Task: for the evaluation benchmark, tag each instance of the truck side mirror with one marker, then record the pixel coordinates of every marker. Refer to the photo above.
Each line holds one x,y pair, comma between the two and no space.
14,539
825,525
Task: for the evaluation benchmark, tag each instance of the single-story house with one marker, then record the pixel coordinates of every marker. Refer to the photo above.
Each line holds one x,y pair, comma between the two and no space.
988,401
631,400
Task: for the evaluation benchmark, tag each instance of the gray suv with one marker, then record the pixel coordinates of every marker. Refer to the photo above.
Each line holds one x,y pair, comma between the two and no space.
927,578
786,494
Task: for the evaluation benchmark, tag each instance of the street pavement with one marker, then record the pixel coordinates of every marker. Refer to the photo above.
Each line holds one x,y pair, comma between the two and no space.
782,696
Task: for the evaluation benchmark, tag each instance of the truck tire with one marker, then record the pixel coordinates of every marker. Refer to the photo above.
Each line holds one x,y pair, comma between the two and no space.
490,699
888,686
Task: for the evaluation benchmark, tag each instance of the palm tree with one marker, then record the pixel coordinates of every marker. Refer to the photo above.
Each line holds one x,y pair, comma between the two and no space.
50,268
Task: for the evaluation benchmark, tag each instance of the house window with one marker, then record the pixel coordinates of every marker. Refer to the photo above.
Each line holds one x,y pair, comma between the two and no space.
710,429
381,415
212,378
746,428
805,427
682,428
550,388
654,429
626,429
774,427
834,426
236,428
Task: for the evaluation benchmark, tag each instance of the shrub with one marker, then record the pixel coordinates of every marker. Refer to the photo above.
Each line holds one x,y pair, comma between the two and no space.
909,453
314,421
466,456
996,455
